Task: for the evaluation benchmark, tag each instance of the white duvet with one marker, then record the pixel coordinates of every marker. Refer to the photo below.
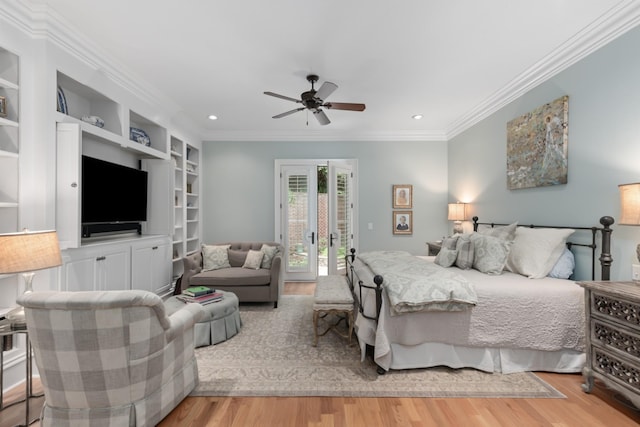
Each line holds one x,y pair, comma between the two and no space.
512,312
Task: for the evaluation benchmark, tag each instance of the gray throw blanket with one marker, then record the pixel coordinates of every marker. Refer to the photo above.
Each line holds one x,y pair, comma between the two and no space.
413,284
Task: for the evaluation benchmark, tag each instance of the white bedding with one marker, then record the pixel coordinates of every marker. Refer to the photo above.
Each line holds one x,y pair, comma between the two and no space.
539,323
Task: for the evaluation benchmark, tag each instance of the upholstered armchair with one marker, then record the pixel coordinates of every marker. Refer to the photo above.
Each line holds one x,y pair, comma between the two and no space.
110,357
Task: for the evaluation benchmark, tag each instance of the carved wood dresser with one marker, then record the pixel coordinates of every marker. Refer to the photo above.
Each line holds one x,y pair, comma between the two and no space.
613,337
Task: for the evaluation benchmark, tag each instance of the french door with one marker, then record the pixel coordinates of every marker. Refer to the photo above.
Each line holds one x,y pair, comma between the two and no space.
297,217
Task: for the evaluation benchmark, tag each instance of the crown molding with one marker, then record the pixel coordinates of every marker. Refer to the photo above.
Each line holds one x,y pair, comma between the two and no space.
323,135
42,22
617,21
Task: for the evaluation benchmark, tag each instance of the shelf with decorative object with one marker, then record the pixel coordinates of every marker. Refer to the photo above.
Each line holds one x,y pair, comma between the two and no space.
79,101
147,134
613,337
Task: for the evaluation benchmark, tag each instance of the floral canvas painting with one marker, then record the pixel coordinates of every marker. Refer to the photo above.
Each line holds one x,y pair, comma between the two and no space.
537,146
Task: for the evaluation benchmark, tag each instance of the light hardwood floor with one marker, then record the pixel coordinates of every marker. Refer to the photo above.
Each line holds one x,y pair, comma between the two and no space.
601,408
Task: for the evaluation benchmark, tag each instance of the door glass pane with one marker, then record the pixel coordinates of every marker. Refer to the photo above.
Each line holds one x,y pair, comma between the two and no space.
343,218
298,222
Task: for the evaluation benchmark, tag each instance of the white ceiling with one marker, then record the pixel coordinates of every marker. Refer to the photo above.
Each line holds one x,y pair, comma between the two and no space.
453,61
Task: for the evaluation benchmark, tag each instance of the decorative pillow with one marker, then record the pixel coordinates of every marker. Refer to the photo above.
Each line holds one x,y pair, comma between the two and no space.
450,242
215,257
536,250
446,257
489,253
237,257
464,247
507,232
254,259
565,265
269,253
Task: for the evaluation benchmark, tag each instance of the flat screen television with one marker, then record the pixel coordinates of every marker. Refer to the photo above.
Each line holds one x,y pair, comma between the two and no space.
112,193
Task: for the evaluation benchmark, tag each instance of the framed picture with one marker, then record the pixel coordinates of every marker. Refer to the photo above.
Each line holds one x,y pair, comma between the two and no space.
3,107
537,145
403,196
402,222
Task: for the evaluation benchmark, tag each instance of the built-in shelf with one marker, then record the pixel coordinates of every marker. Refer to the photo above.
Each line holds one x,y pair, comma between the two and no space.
9,141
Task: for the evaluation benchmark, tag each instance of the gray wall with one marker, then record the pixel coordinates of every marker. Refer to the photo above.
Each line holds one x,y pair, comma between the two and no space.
604,151
238,193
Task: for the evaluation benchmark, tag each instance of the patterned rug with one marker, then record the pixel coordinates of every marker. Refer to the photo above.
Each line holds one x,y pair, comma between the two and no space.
273,356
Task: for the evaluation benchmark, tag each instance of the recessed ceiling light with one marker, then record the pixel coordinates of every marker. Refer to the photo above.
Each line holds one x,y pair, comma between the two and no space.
416,116
213,117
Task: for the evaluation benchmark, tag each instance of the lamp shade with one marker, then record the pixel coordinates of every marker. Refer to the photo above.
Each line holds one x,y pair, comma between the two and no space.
629,204
29,251
457,212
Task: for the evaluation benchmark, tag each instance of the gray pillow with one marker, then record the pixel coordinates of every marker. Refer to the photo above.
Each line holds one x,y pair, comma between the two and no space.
490,253
507,232
450,242
564,267
446,257
464,247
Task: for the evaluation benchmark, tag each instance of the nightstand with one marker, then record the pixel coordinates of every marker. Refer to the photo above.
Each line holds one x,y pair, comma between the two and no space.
434,247
613,337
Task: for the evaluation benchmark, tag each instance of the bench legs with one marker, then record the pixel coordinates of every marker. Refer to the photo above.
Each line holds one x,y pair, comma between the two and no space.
343,314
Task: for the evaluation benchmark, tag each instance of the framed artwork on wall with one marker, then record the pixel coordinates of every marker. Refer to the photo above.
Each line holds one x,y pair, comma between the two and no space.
537,146
402,196
402,222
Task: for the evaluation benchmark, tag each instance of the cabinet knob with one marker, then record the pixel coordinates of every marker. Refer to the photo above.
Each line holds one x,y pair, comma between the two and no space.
74,184
101,258
154,248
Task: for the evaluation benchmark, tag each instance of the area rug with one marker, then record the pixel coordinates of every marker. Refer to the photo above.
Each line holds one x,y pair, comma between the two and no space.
273,356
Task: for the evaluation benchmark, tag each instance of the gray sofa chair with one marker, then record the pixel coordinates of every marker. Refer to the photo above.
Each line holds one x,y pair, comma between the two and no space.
249,285
110,357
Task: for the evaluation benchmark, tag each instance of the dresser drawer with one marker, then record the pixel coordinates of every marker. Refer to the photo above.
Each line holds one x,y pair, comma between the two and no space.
616,310
615,368
619,340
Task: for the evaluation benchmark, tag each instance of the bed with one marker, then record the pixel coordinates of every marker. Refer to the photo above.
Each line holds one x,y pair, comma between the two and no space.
510,323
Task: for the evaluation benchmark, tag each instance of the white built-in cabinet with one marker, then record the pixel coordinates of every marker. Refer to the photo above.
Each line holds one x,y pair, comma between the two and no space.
100,267
173,200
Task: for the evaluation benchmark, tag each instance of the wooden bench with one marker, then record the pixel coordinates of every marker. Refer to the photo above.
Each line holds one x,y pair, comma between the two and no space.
332,297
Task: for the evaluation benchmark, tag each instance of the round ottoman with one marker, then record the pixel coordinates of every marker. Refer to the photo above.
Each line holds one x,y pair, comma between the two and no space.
221,323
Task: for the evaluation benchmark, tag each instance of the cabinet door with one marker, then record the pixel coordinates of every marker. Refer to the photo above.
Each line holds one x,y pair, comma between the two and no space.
68,185
78,274
114,270
151,266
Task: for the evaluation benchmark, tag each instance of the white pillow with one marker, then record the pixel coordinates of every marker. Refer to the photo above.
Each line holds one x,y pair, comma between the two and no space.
535,251
269,253
253,260
215,257
565,266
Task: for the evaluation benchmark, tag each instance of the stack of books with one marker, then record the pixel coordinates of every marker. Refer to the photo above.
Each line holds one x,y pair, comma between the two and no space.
200,294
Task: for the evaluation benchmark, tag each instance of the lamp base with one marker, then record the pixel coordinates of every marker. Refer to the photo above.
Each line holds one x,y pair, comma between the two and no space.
457,227
17,316
635,272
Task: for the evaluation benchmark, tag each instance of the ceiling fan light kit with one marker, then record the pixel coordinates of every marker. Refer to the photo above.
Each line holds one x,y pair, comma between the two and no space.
314,101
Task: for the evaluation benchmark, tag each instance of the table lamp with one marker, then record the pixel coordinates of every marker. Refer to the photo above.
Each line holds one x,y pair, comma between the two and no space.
25,253
630,215
457,214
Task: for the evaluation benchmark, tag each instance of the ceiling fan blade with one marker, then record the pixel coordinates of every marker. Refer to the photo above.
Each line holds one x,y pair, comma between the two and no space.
282,96
345,106
288,113
322,117
325,90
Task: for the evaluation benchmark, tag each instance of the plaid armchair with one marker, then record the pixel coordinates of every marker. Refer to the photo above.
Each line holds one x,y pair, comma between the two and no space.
110,358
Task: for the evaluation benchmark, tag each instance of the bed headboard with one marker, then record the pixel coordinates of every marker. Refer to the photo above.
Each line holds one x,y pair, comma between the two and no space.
605,247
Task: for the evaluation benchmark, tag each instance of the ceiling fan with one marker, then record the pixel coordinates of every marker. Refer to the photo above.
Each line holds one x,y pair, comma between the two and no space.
313,100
